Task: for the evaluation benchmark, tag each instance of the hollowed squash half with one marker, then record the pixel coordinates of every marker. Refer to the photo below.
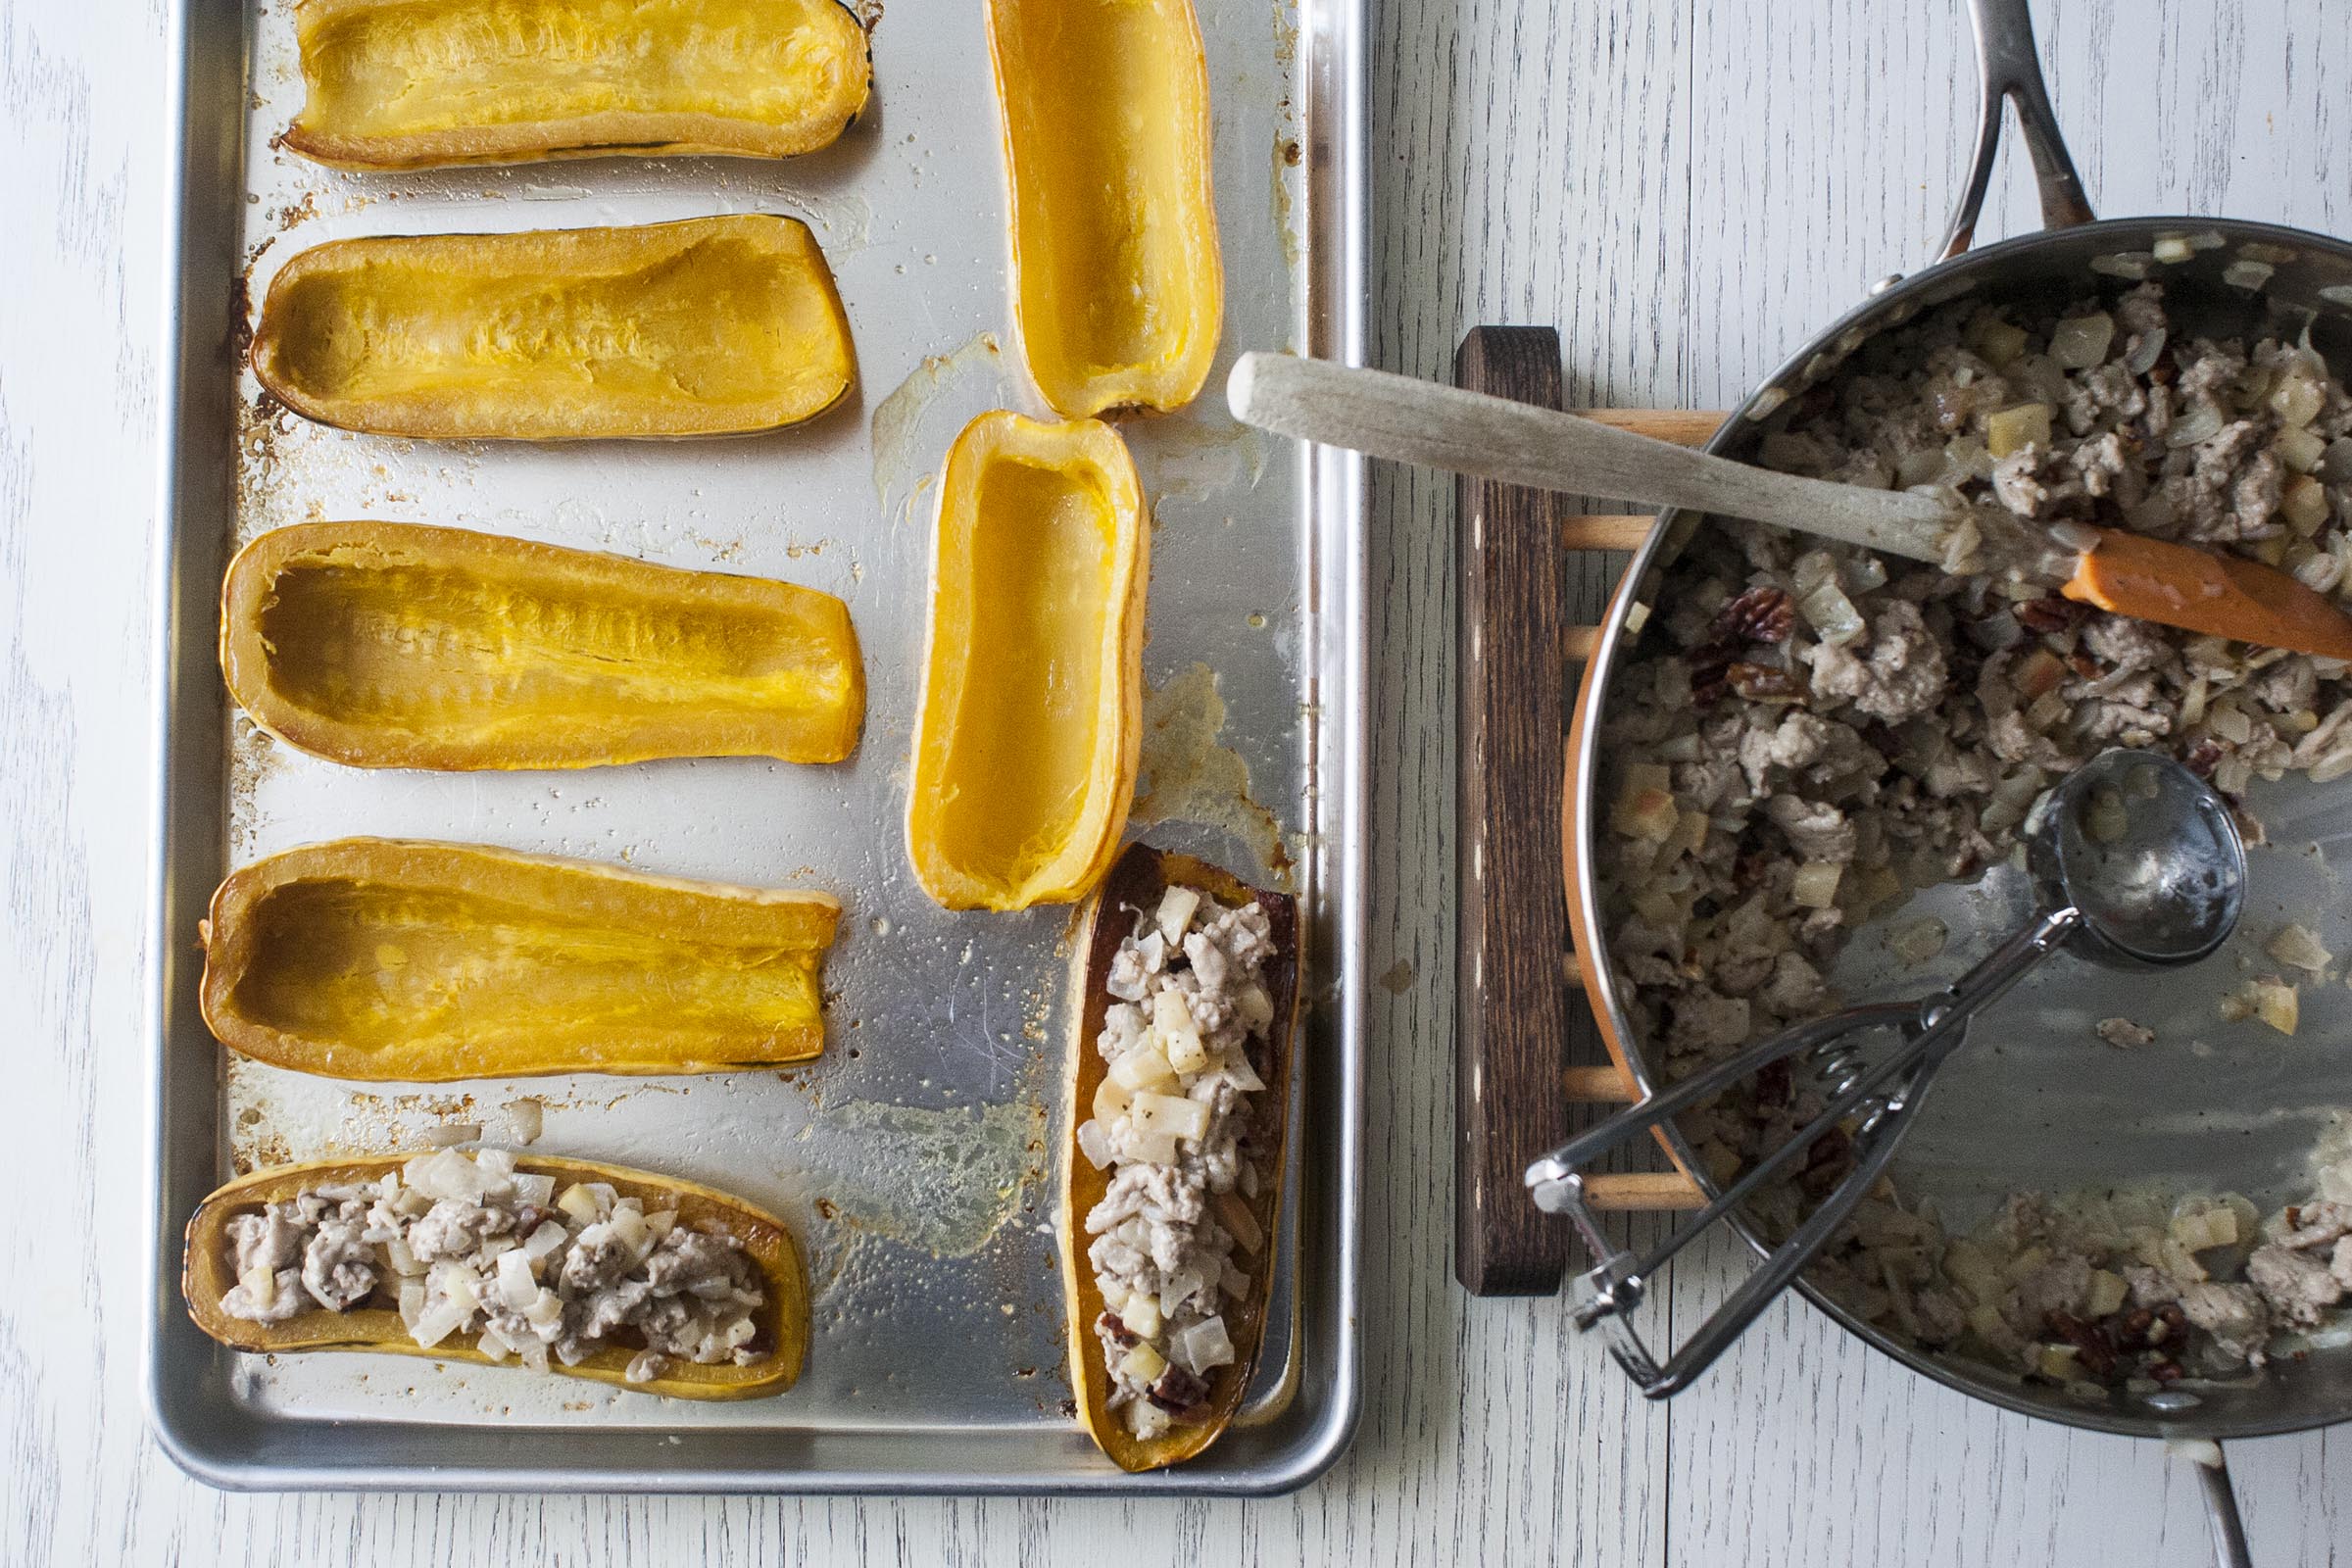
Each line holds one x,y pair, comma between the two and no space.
420,84
1031,721
1117,284
706,327
395,645
207,1275
409,961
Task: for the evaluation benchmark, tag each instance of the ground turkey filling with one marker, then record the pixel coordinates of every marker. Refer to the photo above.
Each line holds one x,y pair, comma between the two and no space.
1180,1122
469,1246
1813,732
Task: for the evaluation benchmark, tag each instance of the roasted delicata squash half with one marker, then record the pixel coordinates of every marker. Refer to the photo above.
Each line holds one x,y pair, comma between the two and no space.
1117,284
395,645
587,1270
403,959
705,326
1030,725
420,84
1180,1086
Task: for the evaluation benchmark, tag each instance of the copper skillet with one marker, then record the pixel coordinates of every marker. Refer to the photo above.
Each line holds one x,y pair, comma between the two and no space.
2208,292
2310,273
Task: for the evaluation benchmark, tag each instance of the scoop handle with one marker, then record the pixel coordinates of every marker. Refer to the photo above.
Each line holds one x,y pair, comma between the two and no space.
1408,420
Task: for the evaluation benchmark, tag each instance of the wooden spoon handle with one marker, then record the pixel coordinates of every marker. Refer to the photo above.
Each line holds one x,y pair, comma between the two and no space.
1468,432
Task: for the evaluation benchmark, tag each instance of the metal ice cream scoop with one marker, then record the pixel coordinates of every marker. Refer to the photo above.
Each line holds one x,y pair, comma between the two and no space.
2137,864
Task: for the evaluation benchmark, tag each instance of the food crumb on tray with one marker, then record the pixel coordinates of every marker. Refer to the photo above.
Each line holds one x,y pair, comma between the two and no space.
2123,1032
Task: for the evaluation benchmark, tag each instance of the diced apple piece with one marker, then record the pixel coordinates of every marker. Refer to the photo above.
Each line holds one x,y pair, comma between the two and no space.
1175,1116
1175,917
1143,1364
1815,886
2013,429
1140,1314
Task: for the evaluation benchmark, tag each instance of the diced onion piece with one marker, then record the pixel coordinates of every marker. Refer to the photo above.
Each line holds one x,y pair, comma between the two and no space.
2300,947
1110,1099
1094,1144
458,1287
2131,265
2079,342
548,1238
493,1345
1831,616
1236,1064
2300,450
661,1222
2277,1004
1173,1114
629,1229
1204,1345
1233,1213
2145,351
2245,274
1648,814
2013,429
402,1260
515,1285
1994,339
2171,248
1175,915
1143,1068
446,1173
1816,884
437,1322
261,1286
1180,1288
577,1202
1255,1007
2304,505
1140,1314
526,1119
1143,1364
412,1303
544,1311
495,1162
2057,1362
536,1191
450,1134
2297,400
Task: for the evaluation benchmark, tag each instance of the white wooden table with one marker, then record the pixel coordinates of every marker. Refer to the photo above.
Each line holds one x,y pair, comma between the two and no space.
1685,187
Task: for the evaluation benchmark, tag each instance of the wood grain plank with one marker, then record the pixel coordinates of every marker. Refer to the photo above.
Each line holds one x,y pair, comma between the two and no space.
1511,920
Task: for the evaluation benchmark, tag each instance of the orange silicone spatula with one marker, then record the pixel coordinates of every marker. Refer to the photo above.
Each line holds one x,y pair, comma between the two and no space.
1469,433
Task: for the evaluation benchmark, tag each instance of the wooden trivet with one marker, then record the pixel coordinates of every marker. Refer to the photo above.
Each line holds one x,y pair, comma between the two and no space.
1526,1045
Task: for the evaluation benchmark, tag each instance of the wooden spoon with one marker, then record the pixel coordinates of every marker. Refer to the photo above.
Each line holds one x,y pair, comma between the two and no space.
1469,433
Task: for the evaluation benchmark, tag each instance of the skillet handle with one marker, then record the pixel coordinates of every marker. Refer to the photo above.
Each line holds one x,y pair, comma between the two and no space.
1513,1008
2007,68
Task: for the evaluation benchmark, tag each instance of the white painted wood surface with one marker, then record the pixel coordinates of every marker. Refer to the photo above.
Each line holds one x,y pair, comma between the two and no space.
1684,187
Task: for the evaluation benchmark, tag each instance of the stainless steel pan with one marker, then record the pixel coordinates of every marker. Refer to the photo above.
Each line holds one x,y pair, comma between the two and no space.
2041,1110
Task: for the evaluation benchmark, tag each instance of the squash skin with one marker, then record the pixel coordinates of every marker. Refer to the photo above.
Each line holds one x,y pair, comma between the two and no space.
407,961
1137,881
1030,725
205,1277
1118,286
430,83
705,326
332,636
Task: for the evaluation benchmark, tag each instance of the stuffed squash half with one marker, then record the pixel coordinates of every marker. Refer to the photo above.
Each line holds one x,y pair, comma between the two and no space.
1180,1080
705,326
416,962
421,83
395,645
1030,725
586,1270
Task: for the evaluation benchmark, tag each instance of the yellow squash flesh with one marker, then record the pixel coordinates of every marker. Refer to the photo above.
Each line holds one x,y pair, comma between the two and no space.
1117,283
1134,883
207,1275
706,327
407,961
394,645
420,84
1030,725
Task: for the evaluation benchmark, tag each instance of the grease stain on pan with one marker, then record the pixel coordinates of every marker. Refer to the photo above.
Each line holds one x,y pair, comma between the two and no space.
906,450
943,1182
1189,775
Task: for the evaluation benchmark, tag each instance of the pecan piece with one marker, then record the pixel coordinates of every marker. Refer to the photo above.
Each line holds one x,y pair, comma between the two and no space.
2050,613
1762,683
2091,1347
1177,1389
2202,756
1758,615
1710,669
1111,1323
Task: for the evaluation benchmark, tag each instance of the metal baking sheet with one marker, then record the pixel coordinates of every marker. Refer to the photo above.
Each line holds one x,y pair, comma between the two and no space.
916,1156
